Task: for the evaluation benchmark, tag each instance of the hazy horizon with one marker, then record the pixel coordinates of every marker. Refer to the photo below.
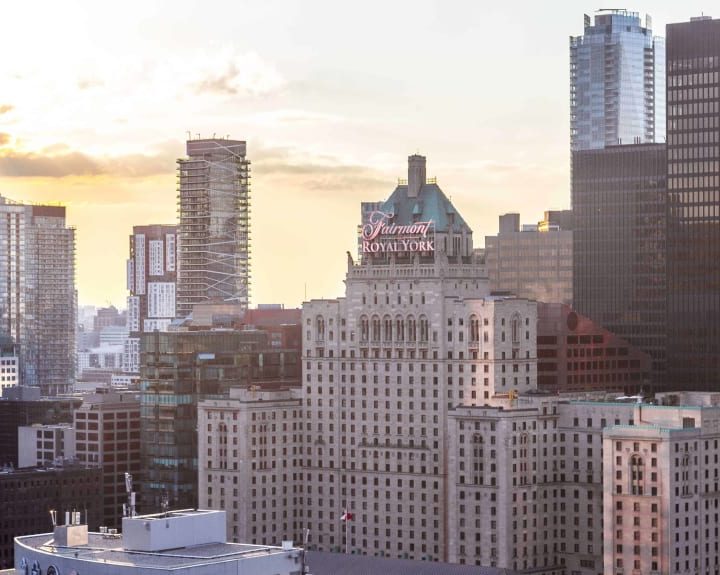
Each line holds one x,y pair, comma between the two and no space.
330,98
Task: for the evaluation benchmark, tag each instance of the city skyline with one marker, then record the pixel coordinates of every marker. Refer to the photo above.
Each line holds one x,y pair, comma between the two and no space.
326,109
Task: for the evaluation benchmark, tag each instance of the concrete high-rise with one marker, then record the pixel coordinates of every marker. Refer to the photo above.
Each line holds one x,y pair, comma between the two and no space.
693,227
619,202
535,263
617,82
152,283
214,224
38,304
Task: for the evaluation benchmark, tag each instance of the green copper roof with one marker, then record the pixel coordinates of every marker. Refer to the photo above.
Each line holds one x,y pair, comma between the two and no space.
431,204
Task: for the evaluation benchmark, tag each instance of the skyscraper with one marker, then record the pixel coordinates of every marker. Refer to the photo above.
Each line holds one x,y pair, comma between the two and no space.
617,82
693,235
214,226
619,202
38,303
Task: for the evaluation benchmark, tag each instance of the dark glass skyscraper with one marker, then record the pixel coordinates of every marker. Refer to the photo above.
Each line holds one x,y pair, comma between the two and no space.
619,203
693,93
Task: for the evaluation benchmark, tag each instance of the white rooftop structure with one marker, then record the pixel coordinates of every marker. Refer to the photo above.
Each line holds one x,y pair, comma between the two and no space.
186,542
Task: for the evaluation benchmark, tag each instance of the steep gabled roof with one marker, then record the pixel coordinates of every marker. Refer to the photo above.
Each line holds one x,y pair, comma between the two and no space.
431,204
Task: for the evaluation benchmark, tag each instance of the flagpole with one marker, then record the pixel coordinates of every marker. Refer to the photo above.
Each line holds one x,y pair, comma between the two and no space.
347,523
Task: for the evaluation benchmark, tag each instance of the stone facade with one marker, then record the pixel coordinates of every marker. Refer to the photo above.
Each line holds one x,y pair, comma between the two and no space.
250,455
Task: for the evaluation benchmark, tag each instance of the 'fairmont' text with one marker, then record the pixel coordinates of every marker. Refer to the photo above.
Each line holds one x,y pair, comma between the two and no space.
380,235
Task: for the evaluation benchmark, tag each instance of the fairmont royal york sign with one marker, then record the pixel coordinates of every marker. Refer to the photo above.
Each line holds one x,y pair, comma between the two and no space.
380,235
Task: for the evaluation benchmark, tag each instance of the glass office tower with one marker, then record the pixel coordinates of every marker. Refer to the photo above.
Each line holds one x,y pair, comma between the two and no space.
693,234
617,82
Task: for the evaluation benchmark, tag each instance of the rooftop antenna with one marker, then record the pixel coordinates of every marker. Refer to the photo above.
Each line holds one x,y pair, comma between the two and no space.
189,135
305,568
130,510
164,503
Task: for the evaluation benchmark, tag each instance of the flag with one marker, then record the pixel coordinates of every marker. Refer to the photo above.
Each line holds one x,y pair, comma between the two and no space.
346,516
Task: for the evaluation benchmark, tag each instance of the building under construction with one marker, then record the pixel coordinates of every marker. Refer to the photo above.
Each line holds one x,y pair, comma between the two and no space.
214,224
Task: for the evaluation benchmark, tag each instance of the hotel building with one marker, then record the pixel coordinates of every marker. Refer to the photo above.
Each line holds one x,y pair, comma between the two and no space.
416,334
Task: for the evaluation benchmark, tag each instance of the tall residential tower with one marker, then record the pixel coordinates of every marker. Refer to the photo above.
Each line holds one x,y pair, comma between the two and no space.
151,281
214,224
38,300
617,82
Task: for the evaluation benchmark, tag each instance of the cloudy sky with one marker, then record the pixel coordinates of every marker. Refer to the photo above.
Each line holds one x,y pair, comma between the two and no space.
97,100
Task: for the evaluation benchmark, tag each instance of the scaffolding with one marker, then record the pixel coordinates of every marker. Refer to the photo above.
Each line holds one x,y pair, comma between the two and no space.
214,224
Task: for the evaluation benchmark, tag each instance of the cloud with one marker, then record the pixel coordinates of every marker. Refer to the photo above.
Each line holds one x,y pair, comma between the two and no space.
58,161
22,165
5,108
317,174
240,74
285,166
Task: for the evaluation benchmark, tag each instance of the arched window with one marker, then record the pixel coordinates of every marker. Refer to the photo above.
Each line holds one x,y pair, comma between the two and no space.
375,328
364,328
387,328
424,328
515,324
411,329
320,328
399,329
474,329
